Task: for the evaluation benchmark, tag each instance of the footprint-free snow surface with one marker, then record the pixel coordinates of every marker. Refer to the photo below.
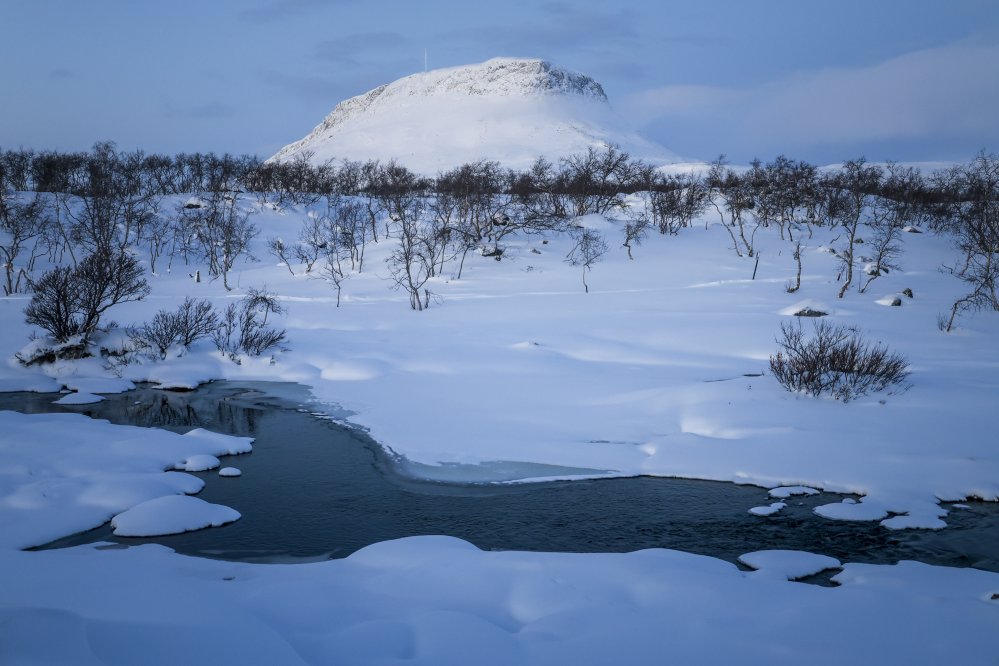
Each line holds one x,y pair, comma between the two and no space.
516,372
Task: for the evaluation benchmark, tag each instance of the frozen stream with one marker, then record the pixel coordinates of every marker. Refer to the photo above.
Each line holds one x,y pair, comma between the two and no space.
313,489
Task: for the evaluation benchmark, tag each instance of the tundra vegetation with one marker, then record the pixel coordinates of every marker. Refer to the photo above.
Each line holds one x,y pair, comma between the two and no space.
79,231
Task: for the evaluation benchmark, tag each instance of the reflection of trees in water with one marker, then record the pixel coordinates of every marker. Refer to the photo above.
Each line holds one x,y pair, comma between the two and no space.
159,409
236,419
218,410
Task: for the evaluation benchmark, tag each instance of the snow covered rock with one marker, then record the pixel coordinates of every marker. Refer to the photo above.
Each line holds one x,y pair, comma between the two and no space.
198,463
230,472
511,110
767,510
171,515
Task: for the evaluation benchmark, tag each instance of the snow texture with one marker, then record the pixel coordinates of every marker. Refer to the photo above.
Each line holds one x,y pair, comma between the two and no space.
230,472
198,463
655,371
65,473
171,515
511,110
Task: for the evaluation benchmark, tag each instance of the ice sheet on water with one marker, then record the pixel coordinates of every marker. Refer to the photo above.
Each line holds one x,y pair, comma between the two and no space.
78,398
784,492
498,471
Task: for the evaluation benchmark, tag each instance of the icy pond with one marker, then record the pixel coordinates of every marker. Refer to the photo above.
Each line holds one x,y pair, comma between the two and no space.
315,489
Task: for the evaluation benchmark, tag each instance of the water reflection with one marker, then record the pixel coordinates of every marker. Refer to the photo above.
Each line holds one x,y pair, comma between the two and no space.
313,489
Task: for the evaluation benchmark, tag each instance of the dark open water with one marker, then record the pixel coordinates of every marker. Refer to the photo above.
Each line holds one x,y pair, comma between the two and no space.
314,489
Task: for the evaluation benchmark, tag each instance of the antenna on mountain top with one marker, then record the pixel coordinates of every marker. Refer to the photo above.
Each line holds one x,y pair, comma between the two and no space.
425,60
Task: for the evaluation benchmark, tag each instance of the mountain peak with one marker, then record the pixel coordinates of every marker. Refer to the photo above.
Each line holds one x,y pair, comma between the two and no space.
512,110
502,77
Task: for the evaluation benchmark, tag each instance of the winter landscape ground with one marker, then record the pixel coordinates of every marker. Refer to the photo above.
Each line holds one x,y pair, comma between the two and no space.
532,364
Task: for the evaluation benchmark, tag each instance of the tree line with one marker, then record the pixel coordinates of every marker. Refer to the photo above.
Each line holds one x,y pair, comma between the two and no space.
66,207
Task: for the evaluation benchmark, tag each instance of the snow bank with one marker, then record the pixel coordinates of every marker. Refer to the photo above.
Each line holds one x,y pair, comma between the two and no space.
788,564
65,473
171,515
437,600
198,463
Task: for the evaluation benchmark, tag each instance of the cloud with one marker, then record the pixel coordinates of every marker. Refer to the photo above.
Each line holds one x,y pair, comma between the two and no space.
943,92
282,9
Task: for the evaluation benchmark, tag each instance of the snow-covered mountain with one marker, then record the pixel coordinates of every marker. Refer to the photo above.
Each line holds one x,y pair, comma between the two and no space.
511,110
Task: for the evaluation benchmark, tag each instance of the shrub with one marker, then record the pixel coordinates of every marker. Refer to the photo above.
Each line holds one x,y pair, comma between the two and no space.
243,326
835,361
71,301
194,319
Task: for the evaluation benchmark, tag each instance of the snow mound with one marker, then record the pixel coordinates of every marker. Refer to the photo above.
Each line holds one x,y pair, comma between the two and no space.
198,463
767,510
221,445
171,515
230,472
788,564
511,110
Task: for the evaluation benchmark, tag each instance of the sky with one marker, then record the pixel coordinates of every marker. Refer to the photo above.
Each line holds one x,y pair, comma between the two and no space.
820,80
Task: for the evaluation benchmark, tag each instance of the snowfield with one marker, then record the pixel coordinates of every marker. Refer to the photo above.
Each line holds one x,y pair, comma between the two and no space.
513,374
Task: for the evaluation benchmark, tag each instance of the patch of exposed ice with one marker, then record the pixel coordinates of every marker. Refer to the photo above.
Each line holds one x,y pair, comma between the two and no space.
783,492
78,398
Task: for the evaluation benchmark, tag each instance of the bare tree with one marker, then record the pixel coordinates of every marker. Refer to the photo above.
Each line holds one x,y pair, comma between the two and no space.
588,250
976,212
71,301
851,190
277,247
674,200
725,185
24,224
411,262
223,232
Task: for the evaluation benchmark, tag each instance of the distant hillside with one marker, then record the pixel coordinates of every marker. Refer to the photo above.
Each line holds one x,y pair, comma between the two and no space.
505,109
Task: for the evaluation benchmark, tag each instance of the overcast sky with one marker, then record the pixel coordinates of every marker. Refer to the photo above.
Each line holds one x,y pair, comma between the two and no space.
822,80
